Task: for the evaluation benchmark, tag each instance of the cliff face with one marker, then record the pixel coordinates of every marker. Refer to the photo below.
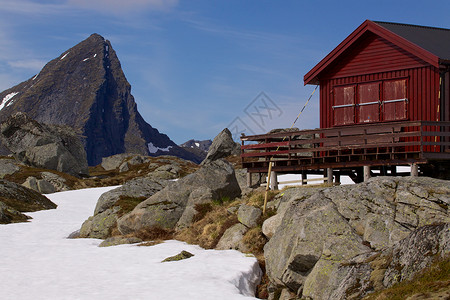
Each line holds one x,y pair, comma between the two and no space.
85,88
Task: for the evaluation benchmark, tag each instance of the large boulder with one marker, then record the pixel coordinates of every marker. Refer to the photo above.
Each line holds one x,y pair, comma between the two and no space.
8,167
16,199
44,146
117,202
222,146
324,244
174,206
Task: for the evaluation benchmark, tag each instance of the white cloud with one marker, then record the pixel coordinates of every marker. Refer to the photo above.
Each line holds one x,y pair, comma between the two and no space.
121,6
30,64
31,8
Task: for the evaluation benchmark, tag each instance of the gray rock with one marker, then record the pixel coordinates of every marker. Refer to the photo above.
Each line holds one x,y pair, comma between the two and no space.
45,187
31,183
270,225
221,147
232,237
17,198
165,208
416,252
249,215
119,240
311,230
174,169
320,248
8,167
57,181
136,160
106,211
74,235
182,255
44,146
136,188
100,225
124,167
113,162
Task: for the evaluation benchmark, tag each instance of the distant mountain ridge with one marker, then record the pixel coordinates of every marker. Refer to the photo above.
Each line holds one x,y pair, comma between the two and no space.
85,88
198,148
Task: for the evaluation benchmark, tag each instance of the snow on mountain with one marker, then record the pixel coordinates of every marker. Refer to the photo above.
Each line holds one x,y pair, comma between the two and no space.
6,99
39,262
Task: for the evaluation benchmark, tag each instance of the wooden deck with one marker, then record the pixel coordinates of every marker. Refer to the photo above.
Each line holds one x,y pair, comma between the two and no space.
348,147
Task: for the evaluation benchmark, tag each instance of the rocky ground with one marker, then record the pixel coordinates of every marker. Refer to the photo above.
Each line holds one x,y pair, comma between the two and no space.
342,242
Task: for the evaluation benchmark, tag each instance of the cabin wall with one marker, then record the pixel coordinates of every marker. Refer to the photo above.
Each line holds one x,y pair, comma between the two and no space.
422,93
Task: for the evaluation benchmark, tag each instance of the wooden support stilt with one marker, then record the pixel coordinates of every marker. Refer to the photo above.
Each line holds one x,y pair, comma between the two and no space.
267,187
249,180
274,181
304,177
414,170
329,175
366,173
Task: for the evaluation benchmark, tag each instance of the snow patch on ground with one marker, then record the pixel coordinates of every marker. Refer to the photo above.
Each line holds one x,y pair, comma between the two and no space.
344,179
39,262
6,99
64,56
35,76
197,144
86,59
153,149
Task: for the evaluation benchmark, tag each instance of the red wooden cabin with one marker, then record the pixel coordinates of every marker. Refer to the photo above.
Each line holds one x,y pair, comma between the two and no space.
384,101
385,72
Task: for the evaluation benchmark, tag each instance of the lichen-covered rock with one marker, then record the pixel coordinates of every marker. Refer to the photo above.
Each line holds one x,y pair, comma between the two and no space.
249,215
344,242
215,180
312,232
111,204
182,255
232,237
100,225
416,252
119,240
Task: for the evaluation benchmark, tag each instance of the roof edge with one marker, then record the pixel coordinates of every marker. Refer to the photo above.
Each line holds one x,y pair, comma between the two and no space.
368,25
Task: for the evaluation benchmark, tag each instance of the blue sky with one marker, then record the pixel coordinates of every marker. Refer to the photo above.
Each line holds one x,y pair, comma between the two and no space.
198,66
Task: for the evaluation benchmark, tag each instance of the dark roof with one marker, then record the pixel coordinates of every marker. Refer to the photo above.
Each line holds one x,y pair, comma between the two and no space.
433,39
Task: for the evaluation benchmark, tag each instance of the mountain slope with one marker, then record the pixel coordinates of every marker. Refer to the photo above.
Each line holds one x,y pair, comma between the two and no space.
85,88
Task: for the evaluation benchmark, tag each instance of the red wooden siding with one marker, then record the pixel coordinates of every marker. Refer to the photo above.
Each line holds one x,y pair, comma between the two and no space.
395,100
372,54
422,92
369,102
344,104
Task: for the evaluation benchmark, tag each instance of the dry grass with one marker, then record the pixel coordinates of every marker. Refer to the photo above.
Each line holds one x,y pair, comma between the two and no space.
153,234
256,198
433,279
207,231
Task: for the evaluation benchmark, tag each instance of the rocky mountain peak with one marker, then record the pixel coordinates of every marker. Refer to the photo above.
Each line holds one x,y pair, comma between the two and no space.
85,88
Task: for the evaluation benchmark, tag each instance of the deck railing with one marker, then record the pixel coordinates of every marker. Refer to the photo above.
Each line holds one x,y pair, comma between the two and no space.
374,144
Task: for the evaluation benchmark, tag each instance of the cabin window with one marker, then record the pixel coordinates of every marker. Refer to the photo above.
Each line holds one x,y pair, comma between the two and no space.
368,108
344,105
395,101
